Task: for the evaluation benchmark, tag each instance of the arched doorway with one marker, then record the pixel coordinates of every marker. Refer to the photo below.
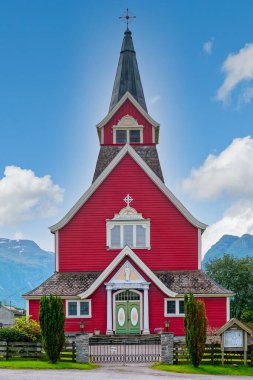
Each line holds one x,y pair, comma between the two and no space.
127,311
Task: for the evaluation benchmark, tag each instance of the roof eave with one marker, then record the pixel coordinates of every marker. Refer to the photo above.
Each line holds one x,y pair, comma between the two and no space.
130,97
127,251
128,149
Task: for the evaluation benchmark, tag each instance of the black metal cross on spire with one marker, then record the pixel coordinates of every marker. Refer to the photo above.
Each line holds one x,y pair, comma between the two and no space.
127,16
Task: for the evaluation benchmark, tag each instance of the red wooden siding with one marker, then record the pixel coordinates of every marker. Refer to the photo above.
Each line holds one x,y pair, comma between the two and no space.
215,311
174,240
128,109
34,306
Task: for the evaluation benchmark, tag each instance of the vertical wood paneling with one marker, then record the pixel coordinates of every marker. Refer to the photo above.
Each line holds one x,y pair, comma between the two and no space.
127,109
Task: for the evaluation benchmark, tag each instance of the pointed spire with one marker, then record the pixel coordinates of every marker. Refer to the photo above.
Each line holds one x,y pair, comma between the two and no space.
127,75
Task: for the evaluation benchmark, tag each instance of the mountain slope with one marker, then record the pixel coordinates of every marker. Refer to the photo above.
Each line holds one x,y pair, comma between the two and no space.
23,266
234,245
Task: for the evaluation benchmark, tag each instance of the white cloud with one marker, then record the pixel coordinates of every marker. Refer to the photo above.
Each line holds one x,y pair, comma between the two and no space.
154,99
208,46
238,68
228,174
246,95
237,220
18,236
23,196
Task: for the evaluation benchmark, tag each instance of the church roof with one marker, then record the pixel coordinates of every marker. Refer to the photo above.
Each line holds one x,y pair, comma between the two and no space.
147,153
72,284
65,284
127,76
190,281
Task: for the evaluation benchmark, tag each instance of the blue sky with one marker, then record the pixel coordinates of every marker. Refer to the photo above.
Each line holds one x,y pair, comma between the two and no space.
57,67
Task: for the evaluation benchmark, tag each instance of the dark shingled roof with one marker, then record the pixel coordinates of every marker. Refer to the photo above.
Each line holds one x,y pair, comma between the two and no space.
127,75
146,152
74,283
65,284
190,281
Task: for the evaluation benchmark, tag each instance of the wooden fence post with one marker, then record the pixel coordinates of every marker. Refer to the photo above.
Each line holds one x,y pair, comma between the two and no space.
176,353
73,351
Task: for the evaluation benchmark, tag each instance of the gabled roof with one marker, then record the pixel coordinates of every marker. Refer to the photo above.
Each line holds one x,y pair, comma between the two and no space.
128,96
127,76
64,284
231,323
71,284
192,281
127,149
127,252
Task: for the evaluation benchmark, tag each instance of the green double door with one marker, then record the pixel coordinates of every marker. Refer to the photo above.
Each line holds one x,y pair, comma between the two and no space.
127,317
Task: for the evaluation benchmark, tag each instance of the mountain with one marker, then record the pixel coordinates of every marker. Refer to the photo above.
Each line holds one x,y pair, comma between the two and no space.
234,245
23,266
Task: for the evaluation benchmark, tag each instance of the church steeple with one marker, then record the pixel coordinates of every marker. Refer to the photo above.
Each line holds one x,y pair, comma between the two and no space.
127,75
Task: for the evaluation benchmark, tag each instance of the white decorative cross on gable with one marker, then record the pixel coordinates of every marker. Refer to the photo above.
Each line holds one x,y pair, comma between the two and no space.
128,200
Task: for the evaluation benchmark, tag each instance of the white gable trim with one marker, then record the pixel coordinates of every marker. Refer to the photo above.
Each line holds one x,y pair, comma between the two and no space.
128,149
126,252
127,263
135,103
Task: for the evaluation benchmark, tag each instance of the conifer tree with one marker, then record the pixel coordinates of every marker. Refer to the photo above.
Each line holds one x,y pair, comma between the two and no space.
195,324
52,319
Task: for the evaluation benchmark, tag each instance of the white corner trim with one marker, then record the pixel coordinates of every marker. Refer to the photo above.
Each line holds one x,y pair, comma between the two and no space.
135,103
27,308
102,136
210,295
57,251
228,308
128,149
199,248
126,252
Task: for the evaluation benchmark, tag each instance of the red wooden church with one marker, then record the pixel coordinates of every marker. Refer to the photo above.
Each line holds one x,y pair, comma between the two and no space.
128,250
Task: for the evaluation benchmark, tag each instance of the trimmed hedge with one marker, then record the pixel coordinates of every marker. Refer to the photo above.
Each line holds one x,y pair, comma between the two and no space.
10,334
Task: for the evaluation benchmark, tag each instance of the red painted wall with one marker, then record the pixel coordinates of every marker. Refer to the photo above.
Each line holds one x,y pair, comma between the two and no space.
215,311
128,109
82,242
34,306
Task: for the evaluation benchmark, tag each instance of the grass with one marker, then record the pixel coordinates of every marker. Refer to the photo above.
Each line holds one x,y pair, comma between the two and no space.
206,369
40,364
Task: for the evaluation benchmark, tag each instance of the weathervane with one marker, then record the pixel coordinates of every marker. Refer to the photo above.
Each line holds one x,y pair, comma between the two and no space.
128,200
127,17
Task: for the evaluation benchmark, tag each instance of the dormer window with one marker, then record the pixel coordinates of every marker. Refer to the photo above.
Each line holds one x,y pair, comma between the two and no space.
128,131
128,228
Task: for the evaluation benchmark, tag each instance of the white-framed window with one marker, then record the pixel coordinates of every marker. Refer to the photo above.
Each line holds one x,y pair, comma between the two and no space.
78,309
127,135
135,234
173,307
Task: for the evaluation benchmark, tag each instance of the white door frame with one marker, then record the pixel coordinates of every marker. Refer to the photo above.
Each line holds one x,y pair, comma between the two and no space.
114,307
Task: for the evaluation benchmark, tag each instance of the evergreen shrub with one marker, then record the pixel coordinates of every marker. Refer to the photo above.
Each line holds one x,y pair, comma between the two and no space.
52,320
195,324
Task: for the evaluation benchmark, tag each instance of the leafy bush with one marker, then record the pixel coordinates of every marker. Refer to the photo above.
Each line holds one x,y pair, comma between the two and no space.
25,330
29,327
10,334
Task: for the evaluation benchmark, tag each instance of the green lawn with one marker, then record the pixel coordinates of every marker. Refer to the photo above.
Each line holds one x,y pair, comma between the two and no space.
40,364
206,369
